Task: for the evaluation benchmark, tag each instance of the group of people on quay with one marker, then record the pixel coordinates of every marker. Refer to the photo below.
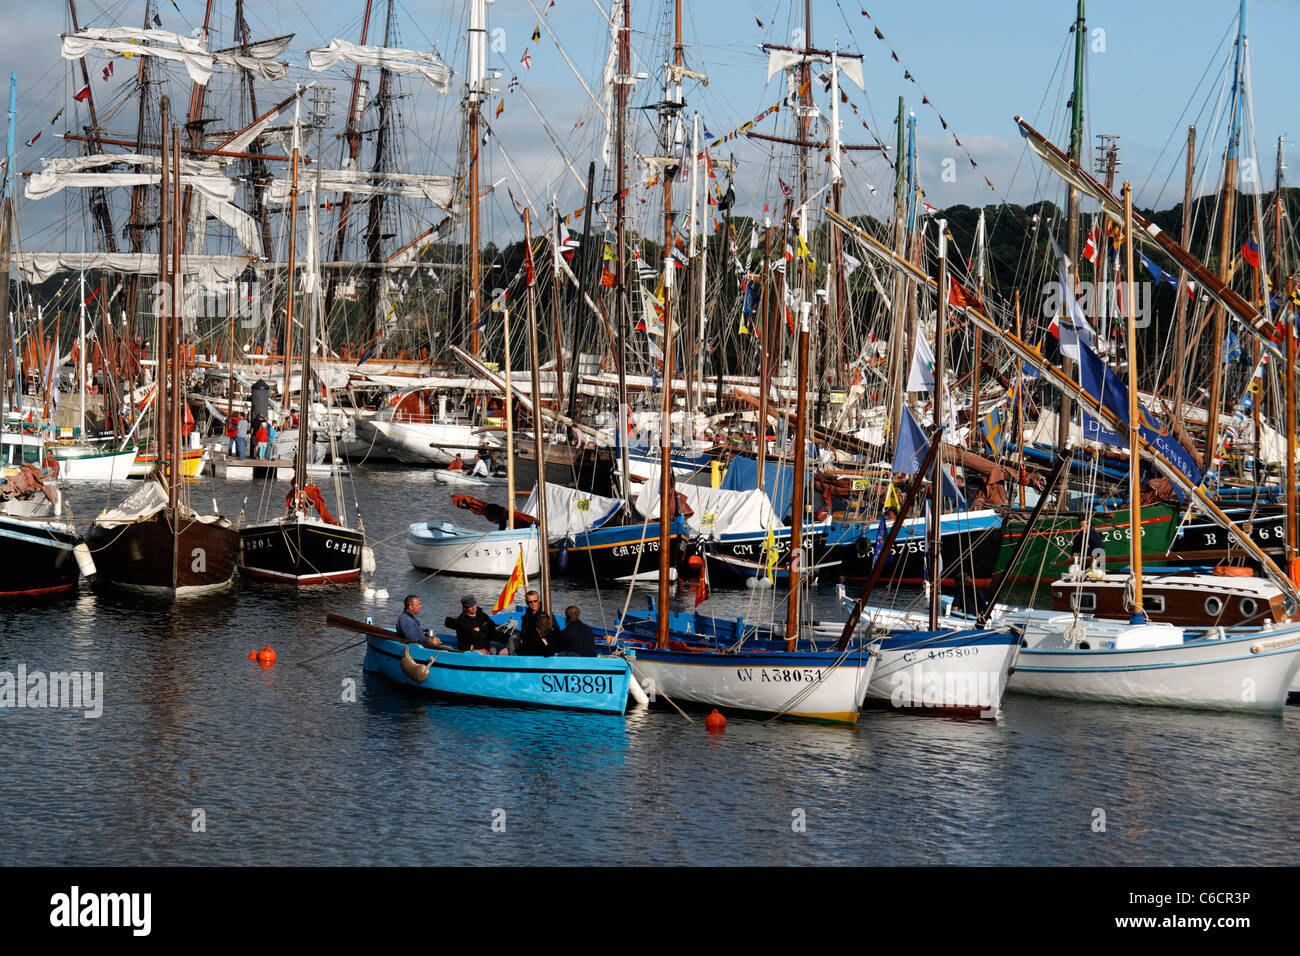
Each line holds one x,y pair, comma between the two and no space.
538,636
239,428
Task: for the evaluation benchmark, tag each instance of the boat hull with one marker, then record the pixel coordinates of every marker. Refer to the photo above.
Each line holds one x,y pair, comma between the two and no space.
301,552
1049,551
138,555
618,553
574,683
825,687
90,463
37,557
490,554
1250,673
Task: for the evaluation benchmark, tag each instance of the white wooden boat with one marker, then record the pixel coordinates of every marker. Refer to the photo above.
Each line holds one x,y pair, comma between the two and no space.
434,546
1164,665
423,443
464,481
92,462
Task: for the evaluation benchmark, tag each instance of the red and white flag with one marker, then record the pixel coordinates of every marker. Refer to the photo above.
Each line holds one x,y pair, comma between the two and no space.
83,94
1090,248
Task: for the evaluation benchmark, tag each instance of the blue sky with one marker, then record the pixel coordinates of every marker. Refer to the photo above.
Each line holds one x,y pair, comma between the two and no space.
1153,68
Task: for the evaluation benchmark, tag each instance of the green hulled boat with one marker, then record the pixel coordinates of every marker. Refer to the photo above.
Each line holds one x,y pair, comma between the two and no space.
1048,554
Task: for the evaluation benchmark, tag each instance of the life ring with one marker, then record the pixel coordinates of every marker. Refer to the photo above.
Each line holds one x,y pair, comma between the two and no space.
1232,571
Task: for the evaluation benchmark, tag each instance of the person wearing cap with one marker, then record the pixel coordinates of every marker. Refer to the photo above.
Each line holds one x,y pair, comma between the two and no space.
475,631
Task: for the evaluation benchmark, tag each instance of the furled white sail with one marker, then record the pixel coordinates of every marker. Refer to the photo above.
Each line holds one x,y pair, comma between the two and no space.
70,172
437,189
39,266
395,61
120,41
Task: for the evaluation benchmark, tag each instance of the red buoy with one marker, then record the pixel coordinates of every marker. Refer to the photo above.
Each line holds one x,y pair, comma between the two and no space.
252,655
715,721
694,565
266,656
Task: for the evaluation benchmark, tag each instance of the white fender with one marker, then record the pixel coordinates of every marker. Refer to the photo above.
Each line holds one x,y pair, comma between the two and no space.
84,561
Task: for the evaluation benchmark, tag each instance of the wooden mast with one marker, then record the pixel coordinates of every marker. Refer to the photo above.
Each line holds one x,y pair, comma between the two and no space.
6,241
1285,288
1138,616
897,334
99,211
1180,307
936,477
665,428
477,84
305,388
352,137
374,222
621,81
510,433
289,284
539,439
796,501
1225,245
174,363
165,301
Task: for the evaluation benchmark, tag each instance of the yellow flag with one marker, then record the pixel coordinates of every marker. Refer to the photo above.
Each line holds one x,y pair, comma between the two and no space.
891,498
769,546
512,586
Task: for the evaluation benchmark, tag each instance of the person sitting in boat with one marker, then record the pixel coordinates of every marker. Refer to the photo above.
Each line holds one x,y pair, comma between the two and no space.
456,464
577,639
481,469
475,631
537,635
408,625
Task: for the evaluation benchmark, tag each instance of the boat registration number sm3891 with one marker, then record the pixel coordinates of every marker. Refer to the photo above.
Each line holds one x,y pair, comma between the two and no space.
577,684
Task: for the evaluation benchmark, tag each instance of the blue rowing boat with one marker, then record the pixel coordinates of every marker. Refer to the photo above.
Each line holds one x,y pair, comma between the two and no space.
578,683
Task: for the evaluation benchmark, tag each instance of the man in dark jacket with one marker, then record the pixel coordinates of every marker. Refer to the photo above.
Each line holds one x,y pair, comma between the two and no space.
475,631
535,638
577,639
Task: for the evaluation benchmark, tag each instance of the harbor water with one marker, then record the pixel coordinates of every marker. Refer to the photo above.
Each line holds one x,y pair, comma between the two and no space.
201,756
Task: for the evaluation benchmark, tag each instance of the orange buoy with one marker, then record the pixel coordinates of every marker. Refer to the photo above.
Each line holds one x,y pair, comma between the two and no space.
1232,571
694,565
1295,571
715,721
252,655
266,656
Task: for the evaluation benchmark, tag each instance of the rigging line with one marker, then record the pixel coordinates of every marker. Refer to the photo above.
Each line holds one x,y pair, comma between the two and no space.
554,142
547,27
